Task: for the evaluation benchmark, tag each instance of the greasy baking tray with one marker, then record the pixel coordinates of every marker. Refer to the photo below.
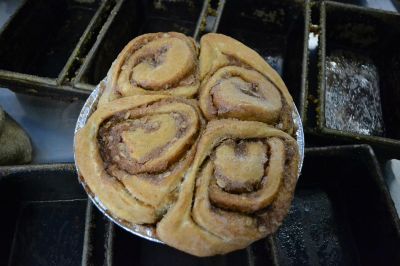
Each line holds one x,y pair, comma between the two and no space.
278,30
44,42
342,214
43,211
131,18
359,60
126,247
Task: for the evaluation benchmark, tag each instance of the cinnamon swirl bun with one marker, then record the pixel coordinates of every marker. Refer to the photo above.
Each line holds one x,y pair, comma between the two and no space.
238,189
205,186
238,83
154,63
134,151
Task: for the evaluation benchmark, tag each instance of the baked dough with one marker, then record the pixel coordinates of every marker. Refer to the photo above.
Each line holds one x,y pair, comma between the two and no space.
238,83
154,63
134,151
206,186
210,216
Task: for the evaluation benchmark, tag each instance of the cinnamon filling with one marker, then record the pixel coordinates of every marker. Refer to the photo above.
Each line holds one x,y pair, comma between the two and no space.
237,92
239,167
247,175
160,64
156,58
131,140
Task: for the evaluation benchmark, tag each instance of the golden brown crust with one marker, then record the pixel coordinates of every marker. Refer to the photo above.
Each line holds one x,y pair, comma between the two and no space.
148,159
198,226
154,63
218,50
129,193
238,83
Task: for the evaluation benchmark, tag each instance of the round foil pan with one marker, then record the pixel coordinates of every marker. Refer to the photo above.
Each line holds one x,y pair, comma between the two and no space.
148,231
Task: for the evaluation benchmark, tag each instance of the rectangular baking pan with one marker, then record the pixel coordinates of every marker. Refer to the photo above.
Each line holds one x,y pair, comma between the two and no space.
342,214
277,30
130,19
371,34
43,211
44,41
150,253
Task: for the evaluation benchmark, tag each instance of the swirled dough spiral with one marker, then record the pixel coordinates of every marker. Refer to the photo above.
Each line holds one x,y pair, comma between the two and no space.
133,153
238,83
205,186
154,63
238,189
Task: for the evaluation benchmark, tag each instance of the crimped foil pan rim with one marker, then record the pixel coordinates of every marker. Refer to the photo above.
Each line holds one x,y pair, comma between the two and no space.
147,231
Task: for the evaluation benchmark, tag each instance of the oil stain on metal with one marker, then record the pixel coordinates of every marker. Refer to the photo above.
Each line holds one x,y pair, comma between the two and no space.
353,101
313,234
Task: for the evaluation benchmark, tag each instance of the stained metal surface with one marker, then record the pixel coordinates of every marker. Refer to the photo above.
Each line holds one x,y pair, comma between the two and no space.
352,95
341,210
43,210
356,98
59,36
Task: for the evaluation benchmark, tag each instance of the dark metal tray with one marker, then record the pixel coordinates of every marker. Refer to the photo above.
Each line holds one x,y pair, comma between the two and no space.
44,41
366,41
43,215
342,214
